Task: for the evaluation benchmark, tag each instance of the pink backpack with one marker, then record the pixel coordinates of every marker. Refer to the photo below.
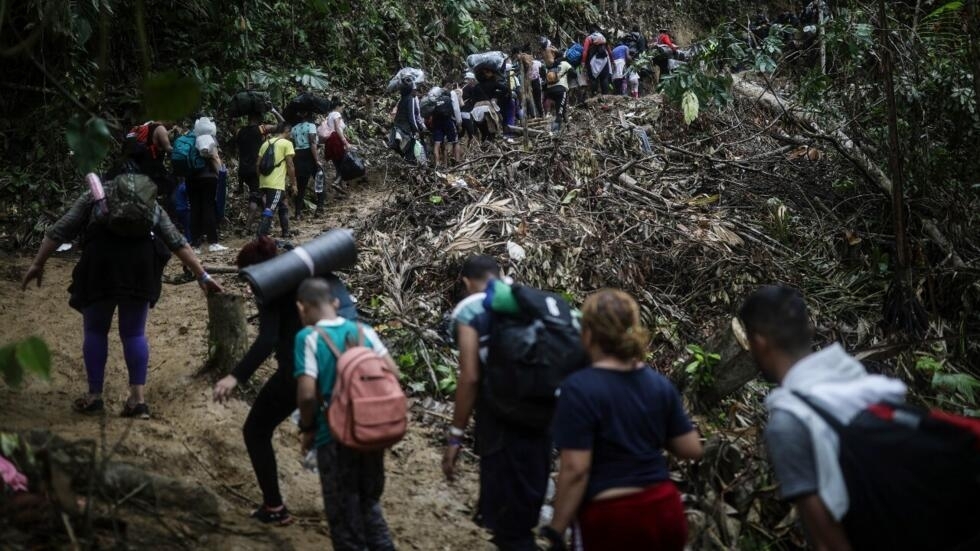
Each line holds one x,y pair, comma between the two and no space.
368,410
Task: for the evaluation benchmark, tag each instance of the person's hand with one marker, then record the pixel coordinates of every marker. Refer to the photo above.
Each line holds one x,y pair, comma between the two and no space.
34,272
306,440
224,387
209,285
449,461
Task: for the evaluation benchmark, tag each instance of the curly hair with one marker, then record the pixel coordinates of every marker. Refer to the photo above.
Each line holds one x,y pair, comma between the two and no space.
255,252
613,320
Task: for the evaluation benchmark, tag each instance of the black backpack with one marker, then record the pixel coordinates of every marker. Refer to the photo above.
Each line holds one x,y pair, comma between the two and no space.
529,356
443,106
912,476
268,162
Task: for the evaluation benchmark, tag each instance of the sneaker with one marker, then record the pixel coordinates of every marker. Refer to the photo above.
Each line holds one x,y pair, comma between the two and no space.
139,410
280,517
216,248
197,251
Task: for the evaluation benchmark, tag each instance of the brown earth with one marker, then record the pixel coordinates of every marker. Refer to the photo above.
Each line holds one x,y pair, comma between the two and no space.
194,439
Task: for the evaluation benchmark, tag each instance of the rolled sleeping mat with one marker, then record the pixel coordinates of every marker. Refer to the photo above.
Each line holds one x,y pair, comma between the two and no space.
334,250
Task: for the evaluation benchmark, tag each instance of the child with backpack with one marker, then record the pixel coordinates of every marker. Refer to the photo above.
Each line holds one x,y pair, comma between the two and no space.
345,366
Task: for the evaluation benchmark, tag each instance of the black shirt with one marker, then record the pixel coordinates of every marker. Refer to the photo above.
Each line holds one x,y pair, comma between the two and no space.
626,418
249,140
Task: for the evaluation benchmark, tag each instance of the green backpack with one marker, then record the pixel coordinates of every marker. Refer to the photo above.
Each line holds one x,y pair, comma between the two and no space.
132,203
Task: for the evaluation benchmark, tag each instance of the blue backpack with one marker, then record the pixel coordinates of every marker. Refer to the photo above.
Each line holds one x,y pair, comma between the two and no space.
573,54
186,160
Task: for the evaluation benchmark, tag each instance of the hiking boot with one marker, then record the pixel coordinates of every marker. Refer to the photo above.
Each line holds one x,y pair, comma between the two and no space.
141,411
86,404
280,517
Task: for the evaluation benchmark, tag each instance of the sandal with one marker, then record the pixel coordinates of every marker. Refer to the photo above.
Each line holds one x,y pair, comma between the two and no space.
87,404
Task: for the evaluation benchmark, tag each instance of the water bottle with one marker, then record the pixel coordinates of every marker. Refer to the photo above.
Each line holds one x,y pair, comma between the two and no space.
98,194
318,182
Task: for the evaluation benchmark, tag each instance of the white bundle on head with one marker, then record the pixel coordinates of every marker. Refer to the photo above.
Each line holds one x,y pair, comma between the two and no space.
205,126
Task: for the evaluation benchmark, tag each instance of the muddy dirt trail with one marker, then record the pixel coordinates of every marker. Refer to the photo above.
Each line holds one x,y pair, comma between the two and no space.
192,438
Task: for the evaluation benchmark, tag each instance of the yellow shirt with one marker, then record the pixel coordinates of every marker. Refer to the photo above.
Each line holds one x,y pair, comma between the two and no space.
277,179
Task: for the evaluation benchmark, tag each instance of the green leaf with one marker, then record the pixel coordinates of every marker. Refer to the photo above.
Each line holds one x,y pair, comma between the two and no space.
569,197
435,199
960,383
948,7
33,355
9,443
169,96
89,140
692,367
690,106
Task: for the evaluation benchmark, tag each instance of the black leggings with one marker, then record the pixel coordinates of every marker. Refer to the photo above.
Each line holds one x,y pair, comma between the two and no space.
559,97
275,200
306,169
275,402
602,81
536,98
201,193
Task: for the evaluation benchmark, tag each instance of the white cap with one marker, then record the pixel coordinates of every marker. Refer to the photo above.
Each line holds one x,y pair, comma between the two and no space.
469,75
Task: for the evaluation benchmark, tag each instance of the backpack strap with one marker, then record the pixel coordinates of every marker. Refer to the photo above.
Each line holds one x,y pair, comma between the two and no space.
828,417
328,341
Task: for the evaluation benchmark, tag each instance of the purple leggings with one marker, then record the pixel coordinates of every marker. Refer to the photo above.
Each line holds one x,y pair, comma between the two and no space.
97,319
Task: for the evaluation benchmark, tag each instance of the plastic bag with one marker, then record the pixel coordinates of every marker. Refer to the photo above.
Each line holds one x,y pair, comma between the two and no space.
352,167
406,74
249,103
486,60
206,145
205,126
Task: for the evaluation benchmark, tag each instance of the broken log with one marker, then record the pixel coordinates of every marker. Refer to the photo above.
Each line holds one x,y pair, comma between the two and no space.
227,332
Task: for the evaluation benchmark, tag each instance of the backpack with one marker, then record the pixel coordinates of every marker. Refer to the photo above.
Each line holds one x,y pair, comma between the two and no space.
912,477
139,142
443,105
185,159
368,410
132,204
531,351
573,54
268,163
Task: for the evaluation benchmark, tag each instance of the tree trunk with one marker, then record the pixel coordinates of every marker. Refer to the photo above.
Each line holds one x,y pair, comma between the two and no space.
894,149
732,372
227,332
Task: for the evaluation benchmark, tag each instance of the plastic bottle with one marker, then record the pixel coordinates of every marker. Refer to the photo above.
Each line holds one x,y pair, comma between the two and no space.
98,194
318,182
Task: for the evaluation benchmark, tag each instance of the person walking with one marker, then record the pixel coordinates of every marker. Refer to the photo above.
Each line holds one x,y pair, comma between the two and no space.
612,424
515,462
596,59
202,190
352,481
408,122
123,256
306,159
557,93
278,324
248,141
333,129
273,184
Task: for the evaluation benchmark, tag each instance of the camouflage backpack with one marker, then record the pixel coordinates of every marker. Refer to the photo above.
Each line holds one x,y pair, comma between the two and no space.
132,205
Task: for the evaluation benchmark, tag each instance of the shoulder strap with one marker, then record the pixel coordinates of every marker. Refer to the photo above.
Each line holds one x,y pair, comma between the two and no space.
828,417
328,341
360,334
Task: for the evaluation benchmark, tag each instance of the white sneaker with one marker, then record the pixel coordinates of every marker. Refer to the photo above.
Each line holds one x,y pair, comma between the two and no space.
216,248
197,251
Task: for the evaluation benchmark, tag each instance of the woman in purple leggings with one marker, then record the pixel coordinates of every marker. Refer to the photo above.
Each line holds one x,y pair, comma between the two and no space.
115,272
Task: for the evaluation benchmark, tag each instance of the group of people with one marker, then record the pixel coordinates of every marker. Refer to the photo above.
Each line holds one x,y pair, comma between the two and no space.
191,178
492,98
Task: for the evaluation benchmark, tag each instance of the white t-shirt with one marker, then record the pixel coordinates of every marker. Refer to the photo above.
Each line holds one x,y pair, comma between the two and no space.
333,123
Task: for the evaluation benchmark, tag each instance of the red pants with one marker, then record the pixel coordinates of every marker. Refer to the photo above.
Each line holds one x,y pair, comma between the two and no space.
651,519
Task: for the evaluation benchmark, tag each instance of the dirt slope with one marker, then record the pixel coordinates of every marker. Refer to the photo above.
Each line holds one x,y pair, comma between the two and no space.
191,437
